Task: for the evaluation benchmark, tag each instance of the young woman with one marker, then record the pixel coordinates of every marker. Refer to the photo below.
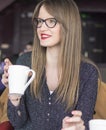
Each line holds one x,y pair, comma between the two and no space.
65,85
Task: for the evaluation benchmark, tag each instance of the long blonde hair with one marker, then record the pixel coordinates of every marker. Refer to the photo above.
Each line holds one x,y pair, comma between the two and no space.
67,14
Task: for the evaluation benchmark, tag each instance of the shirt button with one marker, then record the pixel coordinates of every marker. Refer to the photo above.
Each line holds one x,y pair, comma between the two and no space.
49,103
19,113
47,119
48,114
49,98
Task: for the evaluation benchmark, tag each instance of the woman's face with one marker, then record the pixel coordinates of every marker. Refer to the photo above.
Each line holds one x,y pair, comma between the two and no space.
48,36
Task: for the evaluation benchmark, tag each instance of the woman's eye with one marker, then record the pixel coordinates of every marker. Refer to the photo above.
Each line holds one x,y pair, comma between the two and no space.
52,21
39,21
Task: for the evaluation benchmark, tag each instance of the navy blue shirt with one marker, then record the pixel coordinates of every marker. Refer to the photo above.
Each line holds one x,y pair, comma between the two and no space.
32,114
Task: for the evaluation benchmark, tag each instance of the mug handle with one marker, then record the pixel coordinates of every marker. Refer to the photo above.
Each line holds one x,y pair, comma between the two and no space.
31,78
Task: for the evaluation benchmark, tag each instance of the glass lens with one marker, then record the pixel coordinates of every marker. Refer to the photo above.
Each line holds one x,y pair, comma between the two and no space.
51,22
37,22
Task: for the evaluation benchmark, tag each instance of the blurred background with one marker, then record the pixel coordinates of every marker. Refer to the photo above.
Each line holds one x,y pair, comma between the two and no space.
16,28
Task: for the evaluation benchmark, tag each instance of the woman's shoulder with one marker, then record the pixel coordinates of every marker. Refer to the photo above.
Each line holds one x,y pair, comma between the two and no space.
88,68
88,65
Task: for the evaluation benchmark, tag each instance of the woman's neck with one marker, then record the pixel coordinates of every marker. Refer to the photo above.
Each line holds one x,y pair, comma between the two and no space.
52,57
52,68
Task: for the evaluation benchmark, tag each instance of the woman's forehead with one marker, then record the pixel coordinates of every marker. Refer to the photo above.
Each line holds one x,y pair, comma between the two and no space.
43,13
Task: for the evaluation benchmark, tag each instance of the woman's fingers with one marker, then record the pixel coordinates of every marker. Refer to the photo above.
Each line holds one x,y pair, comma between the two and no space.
75,118
72,128
74,123
77,113
5,75
7,61
4,79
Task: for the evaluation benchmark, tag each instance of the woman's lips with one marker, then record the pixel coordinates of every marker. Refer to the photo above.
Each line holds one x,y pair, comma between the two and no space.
45,36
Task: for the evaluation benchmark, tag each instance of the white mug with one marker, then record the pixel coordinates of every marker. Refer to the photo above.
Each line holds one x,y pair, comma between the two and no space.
97,124
18,78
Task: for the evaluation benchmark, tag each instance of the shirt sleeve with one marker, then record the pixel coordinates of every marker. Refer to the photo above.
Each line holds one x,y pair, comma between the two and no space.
87,93
18,116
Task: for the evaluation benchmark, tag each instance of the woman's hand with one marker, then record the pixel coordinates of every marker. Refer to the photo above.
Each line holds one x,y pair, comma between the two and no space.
4,80
73,123
14,98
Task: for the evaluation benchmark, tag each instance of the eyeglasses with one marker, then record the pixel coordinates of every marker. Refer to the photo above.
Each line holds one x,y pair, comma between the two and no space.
50,22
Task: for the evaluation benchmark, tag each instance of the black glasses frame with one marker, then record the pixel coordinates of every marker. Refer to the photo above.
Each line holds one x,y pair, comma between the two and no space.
36,22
